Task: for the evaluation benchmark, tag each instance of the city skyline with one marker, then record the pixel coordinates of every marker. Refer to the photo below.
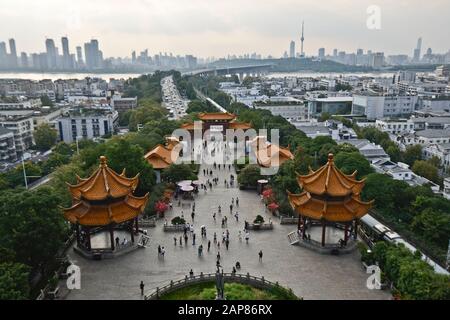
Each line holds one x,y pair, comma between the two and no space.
217,29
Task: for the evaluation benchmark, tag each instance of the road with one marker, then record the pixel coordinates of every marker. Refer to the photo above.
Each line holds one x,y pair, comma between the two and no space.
172,99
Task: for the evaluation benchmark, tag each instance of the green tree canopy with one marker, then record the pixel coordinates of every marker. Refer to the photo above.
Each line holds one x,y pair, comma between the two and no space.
32,226
249,176
426,170
412,154
348,162
14,281
45,137
178,172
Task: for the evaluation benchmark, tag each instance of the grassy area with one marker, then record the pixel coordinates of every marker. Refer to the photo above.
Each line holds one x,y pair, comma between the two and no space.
233,291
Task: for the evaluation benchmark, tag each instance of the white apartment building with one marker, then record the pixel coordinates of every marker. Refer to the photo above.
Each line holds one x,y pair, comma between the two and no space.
7,145
82,123
20,122
446,191
123,104
21,105
383,106
289,108
395,126
432,136
441,151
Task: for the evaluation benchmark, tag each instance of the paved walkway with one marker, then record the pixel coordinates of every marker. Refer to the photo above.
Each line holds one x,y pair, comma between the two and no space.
309,274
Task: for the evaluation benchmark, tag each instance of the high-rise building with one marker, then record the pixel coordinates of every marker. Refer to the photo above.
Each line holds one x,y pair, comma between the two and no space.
417,50
92,55
292,49
51,53
335,52
23,60
378,60
3,55
67,61
321,53
302,53
79,55
12,53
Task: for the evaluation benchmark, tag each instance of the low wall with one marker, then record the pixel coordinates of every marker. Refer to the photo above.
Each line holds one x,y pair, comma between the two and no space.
256,282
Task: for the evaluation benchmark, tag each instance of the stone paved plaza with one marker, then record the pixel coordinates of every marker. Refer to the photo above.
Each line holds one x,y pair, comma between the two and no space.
310,274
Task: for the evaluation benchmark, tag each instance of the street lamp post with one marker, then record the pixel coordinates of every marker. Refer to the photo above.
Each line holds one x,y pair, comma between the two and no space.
76,140
25,177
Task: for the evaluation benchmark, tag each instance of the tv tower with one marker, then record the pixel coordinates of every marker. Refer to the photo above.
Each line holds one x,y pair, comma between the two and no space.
302,53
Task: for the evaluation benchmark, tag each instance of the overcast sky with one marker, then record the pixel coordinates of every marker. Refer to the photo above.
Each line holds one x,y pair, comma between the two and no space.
219,27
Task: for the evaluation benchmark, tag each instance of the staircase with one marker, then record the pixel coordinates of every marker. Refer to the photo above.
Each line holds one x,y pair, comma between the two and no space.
293,237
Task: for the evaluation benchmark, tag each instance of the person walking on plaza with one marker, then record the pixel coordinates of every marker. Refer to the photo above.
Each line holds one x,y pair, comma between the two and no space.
247,237
175,241
159,250
236,215
181,241
237,201
191,273
214,216
193,239
260,255
200,250
192,216
231,208
163,251
218,256
219,209
209,245
227,243
142,285
185,239
215,237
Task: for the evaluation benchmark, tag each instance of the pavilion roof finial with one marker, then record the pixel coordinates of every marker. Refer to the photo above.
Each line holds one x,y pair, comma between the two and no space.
103,161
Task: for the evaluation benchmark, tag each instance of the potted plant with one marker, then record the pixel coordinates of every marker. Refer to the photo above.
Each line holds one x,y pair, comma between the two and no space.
259,220
178,220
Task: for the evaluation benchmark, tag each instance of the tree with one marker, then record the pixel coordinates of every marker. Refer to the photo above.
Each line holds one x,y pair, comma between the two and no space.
324,116
178,172
46,101
426,170
14,281
348,162
433,225
54,161
199,106
63,149
122,154
15,176
45,137
147,110
394,153
32,226
249,176
63,175
412,154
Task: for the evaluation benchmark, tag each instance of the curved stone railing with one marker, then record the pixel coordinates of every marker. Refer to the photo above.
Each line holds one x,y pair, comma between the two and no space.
257,282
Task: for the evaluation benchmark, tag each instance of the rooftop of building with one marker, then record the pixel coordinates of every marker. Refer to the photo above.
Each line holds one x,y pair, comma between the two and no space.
333,99
434,133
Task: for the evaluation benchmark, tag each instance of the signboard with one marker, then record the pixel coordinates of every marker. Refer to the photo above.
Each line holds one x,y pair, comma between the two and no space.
216,128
